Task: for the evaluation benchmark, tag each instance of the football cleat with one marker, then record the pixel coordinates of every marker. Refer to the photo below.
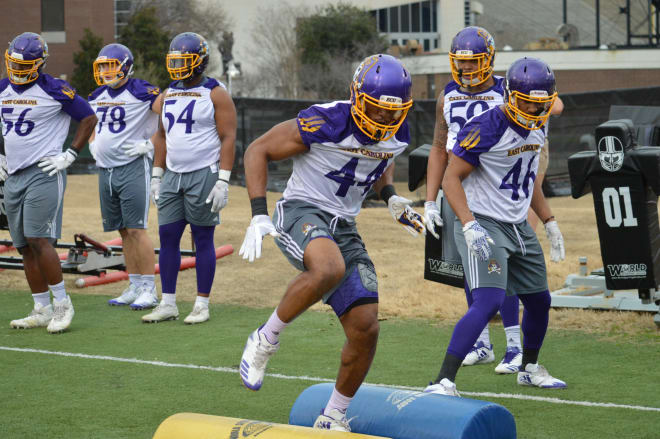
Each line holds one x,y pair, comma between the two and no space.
162,313
479,354
199,314
127,297
62,315
335,421
444,387
255,357
39,316
511,361
147,298
537,376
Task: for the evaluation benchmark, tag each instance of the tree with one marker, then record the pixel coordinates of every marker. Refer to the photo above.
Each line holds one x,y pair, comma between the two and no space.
330,42
148,42
83,74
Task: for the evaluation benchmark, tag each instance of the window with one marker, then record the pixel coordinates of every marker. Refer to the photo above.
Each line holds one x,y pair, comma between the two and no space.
52,15
426,16
434,16
405,18
427,45
394,19
395,42
414,14
382,20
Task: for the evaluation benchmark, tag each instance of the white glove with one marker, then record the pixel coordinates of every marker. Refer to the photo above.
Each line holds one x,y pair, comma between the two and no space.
139,148
557,252
219,195
4,171
53,165
477,239
432,218
260,226
156,176
406,215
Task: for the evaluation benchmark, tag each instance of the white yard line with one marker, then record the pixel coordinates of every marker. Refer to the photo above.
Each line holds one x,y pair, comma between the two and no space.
325,380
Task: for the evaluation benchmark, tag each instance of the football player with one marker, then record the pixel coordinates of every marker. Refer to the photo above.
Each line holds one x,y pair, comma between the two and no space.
340,150
196,140
489,183
123,151
474,89
36,110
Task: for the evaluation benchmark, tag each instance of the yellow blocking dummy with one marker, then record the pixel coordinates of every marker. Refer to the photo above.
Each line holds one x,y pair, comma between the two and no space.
198,426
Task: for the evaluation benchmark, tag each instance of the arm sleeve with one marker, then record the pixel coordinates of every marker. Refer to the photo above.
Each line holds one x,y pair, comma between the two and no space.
72,104
475,138
144,91
320,124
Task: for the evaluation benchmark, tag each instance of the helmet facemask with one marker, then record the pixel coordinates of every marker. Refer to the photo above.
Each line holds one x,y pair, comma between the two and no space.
109,71
363,105
20,71
481,74
530,121
181,65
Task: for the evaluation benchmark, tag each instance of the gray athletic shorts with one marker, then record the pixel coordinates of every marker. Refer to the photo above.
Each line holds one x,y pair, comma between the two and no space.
299,222
516,264
183,197
33,201
449,251
124,194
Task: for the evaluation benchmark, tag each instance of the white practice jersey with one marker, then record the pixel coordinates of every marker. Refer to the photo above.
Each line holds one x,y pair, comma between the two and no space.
461,106
36,117
342,163
188,117
506,160
125,118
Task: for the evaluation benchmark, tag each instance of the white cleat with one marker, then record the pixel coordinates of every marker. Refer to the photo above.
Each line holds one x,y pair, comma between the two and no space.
335,421
147,298
162,313
511,362
255,357
127,297
537,376
199,314
479,354
62,315
39,316
444,387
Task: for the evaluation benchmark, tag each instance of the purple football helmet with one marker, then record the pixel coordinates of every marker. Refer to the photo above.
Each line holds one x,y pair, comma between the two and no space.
381,95
472,44
188,56
114,63
530,92
25,58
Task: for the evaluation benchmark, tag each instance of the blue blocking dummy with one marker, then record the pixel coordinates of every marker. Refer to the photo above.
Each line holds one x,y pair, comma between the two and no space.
406,414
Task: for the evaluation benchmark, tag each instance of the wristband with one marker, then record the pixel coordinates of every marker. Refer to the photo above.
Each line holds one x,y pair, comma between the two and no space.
387,192
549,219
157,172
259,206
224,175
72,151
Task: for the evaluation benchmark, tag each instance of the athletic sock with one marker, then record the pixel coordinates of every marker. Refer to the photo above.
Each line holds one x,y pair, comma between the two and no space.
59,292
512,336
134,279
169,299
337,402
42,298
147,280
271,330
449,369
484,337
202,300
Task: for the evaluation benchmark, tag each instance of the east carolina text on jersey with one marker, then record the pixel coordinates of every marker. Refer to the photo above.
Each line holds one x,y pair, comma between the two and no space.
461,106
188,117
342,163
36,117
506,160
125,117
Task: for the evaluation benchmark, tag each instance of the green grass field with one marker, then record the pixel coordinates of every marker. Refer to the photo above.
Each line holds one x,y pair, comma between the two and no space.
119,395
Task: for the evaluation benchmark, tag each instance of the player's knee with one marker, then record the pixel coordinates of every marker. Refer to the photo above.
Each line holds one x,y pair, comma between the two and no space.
330,273
134,234
37,245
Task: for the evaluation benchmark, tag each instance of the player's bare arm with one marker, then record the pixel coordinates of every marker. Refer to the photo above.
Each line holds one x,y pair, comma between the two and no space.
158,139
280,142
457,170
539,204
386,179
225,121
84,131
438,157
